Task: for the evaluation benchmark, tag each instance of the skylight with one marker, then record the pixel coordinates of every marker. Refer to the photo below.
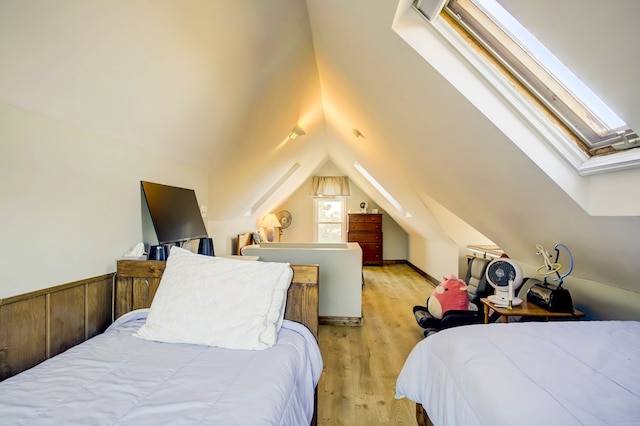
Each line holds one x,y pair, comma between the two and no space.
553,66
543,75
272,190
377,186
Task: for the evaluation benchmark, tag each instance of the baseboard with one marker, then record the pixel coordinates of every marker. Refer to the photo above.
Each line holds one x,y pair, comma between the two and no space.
428,277
393,262
342,321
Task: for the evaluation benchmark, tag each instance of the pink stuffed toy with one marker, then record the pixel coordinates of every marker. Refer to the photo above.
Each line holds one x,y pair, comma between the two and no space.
451,294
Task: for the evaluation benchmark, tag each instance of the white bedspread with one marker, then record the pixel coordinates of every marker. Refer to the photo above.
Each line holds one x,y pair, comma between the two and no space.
556,373
116,378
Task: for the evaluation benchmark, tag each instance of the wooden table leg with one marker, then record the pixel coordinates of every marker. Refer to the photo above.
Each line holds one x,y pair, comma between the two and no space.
486,314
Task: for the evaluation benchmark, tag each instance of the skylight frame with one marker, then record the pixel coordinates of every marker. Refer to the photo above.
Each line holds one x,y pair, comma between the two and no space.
501,35
470,61
378,187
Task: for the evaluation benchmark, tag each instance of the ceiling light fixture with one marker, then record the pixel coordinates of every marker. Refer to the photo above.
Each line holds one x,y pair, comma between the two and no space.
295,132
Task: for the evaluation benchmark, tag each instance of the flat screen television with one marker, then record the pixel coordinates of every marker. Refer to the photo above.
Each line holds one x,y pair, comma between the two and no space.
170,214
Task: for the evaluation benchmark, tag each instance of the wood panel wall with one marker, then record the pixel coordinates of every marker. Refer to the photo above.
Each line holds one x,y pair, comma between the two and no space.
41,324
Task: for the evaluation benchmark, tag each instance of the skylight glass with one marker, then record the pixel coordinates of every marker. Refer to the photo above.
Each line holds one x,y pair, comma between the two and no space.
583,113
377,186
542,55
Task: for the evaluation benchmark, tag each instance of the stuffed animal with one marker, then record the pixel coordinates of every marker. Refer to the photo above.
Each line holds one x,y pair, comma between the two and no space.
450,294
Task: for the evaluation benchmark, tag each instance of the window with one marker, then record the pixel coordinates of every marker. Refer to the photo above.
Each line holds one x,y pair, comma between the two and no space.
596,126
329,220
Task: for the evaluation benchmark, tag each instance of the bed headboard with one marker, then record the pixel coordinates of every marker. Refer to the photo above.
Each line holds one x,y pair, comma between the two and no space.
138,280
243,241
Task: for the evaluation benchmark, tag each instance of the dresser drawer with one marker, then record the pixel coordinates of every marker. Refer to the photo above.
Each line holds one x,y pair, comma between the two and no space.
360,217
371,253
357,237
371,247
364,227
373,218
356,218
372,259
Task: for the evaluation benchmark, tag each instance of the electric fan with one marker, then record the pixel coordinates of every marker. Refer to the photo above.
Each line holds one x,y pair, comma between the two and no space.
505,276
284,217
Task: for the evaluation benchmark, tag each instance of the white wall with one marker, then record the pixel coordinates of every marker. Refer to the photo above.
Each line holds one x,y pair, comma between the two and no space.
300,205
225,232
340,273
596,300
71,200
418,252
458,230
436,257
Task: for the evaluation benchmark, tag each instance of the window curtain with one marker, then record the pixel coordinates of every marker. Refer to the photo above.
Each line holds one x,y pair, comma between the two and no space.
330,186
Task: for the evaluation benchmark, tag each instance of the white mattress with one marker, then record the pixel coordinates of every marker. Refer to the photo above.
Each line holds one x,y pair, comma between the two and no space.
116,378
556,373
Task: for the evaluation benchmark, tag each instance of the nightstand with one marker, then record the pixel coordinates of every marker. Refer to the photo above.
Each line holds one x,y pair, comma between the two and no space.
526,310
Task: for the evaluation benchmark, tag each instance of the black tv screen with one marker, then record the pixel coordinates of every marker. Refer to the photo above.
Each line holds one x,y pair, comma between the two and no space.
174,213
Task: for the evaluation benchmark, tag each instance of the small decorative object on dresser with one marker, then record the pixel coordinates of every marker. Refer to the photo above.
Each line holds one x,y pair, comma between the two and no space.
366,230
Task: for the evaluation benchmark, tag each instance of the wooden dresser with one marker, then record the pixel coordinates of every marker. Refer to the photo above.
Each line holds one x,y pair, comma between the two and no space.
366,230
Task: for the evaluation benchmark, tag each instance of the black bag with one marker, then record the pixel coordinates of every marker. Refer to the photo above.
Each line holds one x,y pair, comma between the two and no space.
550,297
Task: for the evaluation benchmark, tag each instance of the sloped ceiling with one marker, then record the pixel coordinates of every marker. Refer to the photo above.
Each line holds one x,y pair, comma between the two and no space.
424,137
219,84
182,77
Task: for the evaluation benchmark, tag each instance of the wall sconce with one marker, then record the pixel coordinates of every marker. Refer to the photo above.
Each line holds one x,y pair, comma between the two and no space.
270,222
357,133
295,132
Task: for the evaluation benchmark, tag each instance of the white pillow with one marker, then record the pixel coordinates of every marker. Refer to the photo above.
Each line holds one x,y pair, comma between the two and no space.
218,302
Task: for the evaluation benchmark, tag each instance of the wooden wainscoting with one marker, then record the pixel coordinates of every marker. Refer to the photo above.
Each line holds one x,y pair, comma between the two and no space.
41,324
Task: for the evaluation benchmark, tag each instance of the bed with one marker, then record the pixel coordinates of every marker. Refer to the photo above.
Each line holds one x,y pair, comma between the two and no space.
165,365
563,372
249,239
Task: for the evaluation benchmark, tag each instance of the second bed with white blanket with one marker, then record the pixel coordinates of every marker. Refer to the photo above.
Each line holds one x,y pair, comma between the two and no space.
560,373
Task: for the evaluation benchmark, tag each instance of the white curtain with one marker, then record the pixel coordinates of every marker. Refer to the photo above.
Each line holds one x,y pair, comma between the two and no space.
330,186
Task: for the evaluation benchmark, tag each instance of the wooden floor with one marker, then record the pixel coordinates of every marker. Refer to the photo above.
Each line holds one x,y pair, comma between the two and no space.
361,364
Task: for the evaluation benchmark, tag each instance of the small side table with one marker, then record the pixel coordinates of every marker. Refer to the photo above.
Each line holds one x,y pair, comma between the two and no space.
526,310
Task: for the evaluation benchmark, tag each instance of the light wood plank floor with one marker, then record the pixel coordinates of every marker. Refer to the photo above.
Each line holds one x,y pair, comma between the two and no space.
361,364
